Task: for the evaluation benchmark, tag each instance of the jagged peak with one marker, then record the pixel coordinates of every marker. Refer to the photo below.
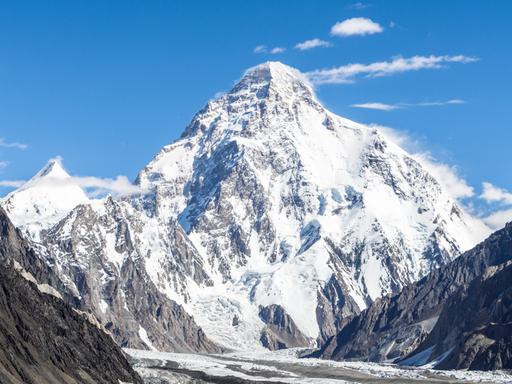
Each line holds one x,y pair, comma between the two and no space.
52,175
276,75
271,80
52,169
275,70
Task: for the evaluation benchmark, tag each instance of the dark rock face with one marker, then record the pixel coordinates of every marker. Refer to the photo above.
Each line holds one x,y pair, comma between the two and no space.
476,325
44,340
168,323
281,331
419,316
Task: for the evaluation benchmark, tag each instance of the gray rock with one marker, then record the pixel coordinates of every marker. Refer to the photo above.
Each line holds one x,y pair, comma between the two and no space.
394,327
281,331
474,330
43,340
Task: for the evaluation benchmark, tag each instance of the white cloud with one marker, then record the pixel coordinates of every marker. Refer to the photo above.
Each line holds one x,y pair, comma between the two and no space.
447,175
493,194
120,186
498,219
452,182
12,183
277,50
6,144
313,43
265,49
390,107
356,26
358,5
260,49
3,164
94,186
350,72
436,103
377,106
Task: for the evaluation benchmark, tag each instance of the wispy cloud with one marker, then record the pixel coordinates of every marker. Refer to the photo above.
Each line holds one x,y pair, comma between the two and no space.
493,194
277,50
93,186
437,103
357,5
265,49
260,49
502,200
357,26
6,144
498,219
499,199
446,174
313,43
350,72
390,107
12,183
376,105
3,164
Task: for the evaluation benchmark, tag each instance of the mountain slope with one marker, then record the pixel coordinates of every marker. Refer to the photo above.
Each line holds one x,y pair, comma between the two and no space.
474,330
42,339
437,314
266,199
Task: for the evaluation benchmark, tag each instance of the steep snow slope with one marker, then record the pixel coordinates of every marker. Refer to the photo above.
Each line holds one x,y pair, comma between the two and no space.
268,198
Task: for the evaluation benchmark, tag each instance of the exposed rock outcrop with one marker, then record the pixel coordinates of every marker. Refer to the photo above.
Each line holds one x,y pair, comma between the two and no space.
474,330
426,313
43,340
281,331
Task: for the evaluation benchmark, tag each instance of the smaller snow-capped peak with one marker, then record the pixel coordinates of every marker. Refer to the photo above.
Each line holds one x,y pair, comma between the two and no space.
44,199
52,169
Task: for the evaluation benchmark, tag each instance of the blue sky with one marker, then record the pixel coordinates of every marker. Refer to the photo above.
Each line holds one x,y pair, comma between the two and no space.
105,84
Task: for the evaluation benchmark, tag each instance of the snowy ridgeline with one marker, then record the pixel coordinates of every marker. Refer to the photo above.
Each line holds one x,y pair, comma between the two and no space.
269,203
285,367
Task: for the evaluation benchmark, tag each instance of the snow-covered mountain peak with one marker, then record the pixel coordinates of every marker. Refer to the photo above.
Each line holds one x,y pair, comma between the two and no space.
275,74
268,202
271,188
265,91
44,199
52,169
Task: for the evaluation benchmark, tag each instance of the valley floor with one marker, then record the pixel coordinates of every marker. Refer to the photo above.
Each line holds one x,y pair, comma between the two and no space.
285,367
